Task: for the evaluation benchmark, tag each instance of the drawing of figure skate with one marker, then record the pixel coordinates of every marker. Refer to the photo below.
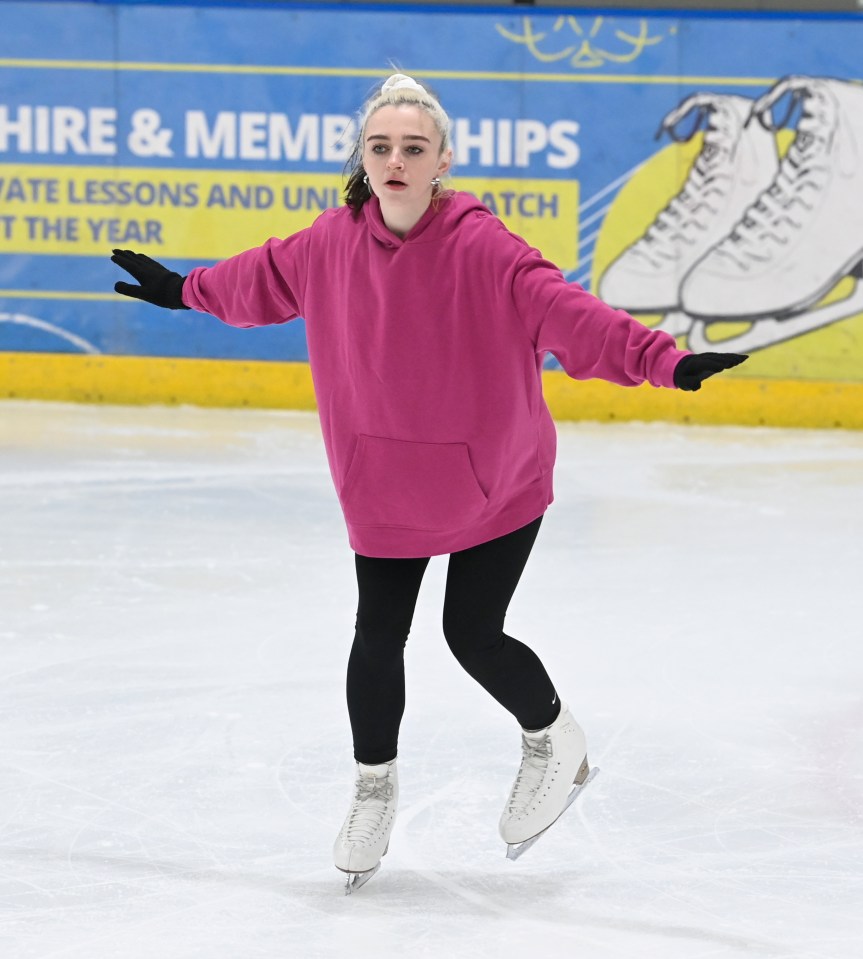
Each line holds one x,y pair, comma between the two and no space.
801,236
734,165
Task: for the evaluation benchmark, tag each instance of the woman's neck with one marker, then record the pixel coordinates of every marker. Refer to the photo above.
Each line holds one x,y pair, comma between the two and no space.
401,221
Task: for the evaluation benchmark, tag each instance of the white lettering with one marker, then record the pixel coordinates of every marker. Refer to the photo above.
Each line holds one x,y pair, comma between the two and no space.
338,138
58,130
504,142
301,143
466,141
19,129
201,141
559,134
531,136
69,126
269,136
520,143
43,130
253,136
310,137
103,131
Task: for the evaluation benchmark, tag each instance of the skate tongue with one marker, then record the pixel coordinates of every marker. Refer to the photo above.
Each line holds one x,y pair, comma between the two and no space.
534,735
381,771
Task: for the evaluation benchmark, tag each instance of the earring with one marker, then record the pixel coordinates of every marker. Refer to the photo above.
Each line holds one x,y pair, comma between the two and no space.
366,180
436,181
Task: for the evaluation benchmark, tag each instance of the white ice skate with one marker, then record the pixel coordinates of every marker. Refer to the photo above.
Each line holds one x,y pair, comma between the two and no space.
734,165
770,330
364,838
801,236
554,771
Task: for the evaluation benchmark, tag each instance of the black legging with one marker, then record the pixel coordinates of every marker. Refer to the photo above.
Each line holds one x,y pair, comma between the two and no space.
479,586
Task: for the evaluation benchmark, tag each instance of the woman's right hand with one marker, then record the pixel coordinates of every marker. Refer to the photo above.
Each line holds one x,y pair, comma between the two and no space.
158,285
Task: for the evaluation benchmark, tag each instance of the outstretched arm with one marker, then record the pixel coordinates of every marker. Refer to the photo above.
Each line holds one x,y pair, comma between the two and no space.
254,288
593,340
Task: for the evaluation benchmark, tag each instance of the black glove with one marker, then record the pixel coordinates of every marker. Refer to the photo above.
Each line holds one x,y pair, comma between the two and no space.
159,285
692,370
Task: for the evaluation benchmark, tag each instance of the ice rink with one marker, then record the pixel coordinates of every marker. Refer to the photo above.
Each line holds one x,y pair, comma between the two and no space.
178,600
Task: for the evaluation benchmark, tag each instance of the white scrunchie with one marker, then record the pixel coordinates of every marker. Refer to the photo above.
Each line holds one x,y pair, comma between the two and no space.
398,81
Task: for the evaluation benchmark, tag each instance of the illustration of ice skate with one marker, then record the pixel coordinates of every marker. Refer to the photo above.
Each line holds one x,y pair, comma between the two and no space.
735,164
799,238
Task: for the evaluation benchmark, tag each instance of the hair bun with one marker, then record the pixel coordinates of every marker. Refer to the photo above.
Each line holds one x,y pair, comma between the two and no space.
398,81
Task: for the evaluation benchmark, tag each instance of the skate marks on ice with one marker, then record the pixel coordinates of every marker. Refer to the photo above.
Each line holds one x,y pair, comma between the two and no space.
575,888
471,883
177,755
723,820
554,895
752,237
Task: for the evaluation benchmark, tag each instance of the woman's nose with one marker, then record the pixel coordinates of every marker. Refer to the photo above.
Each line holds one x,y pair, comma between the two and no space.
395,159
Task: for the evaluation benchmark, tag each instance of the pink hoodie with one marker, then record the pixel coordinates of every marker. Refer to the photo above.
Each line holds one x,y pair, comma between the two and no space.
426,355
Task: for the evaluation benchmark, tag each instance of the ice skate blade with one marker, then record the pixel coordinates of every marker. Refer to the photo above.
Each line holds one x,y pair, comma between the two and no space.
516,849
356,880
764,331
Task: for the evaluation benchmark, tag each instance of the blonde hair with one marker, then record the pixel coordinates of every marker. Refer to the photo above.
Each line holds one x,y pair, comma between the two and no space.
396,90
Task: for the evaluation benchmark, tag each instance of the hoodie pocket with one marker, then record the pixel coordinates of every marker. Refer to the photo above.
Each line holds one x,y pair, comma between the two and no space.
430,486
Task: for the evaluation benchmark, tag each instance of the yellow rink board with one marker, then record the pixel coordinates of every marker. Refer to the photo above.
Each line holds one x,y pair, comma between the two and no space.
727,399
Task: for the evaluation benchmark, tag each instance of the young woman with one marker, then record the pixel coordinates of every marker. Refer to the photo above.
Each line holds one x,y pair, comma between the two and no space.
427,324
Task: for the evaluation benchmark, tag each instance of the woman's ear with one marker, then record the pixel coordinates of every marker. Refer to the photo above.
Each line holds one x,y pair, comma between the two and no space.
445,163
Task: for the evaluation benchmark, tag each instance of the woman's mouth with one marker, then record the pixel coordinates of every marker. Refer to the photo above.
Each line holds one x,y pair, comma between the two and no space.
395,185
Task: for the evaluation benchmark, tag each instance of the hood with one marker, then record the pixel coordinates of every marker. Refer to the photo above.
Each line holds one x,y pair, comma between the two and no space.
439,220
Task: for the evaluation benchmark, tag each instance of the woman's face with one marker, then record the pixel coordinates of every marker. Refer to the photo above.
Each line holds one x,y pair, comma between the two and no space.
401,155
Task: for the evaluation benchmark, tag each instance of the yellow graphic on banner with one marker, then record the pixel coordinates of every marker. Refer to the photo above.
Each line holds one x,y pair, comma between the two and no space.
585,52
193,214
543,212
213,214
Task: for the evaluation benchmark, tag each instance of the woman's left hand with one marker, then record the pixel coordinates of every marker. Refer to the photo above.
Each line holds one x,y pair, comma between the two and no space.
692,370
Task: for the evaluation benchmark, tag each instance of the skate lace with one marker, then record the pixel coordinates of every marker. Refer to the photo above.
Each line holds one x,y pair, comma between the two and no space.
689,212
535,757
369,808
782,210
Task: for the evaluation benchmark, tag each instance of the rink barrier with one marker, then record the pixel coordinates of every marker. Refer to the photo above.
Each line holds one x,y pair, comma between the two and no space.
135,380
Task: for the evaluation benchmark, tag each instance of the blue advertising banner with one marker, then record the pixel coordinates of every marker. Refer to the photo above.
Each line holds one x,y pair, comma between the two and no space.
705,174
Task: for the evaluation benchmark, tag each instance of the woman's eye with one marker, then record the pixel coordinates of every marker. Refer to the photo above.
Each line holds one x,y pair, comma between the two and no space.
381,148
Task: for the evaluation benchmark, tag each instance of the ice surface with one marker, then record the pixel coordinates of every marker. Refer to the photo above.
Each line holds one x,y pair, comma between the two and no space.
176,608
